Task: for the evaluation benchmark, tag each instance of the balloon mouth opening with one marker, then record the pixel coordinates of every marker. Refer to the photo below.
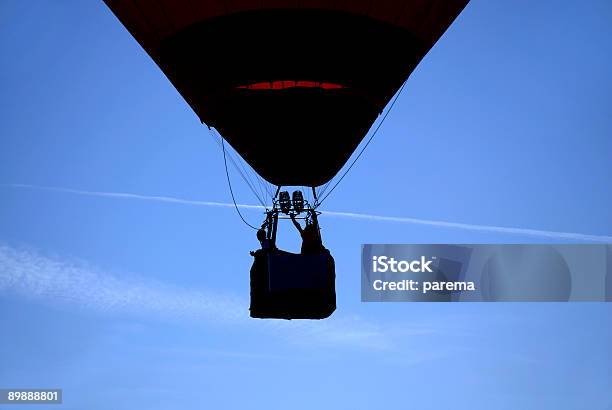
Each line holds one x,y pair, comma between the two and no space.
284,85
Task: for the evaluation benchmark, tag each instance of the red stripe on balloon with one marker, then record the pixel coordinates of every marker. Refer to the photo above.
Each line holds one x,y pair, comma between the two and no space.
283,85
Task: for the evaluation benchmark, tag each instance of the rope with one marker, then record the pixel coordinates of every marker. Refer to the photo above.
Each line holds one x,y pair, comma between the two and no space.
265,187
244,177
229,184
366,144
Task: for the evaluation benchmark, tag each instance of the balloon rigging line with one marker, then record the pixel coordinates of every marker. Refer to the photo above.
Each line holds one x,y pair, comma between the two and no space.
241,169
229,184
245,178
265,186
380,123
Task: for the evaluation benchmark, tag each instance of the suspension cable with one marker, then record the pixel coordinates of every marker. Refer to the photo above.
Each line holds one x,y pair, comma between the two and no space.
262,183
380,123
264,186
239,167
244,177
229,184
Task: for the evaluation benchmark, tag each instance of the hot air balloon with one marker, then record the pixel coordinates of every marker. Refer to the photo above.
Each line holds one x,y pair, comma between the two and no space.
293,86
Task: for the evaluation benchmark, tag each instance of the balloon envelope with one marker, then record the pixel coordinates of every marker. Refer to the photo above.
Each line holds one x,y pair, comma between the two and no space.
293,86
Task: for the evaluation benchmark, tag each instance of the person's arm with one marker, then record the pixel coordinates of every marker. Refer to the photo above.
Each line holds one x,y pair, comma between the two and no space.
296,223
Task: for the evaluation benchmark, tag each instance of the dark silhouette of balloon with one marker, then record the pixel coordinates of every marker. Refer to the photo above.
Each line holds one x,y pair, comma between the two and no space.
293,86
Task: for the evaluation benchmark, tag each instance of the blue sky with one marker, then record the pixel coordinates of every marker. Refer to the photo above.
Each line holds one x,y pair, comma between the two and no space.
506,122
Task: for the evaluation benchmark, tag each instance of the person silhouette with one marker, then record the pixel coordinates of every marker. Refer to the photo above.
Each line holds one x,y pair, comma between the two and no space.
263,239
266,244
311,237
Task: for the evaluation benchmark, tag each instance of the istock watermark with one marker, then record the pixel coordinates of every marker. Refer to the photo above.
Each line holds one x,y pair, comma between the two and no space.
384,264
511,273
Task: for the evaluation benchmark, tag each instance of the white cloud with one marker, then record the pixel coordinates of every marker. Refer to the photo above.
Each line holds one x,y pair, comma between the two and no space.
33,275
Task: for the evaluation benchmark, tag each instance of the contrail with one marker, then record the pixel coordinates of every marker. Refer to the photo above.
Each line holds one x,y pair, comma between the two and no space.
123,195
352,215
471,227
